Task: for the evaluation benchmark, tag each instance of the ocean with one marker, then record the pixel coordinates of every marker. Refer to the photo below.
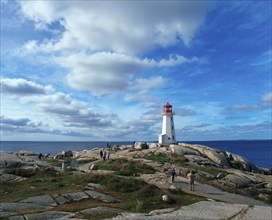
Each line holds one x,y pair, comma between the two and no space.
257,151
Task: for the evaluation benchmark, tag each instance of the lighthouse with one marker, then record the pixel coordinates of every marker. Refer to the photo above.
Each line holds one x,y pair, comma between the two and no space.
168,130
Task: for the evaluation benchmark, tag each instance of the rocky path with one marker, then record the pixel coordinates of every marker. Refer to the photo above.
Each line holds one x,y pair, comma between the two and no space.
214,193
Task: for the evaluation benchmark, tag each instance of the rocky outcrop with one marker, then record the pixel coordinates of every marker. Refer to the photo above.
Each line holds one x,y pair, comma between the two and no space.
232,171
140,145
205,210
49,215
101,196
11,178
180,151
101,210
45,200
241,163
64,155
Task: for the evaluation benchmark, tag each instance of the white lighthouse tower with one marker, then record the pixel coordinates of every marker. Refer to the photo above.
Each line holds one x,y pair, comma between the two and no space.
168,130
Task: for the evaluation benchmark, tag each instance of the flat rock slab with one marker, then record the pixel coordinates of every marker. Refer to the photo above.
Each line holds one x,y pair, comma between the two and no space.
101,196
18,217
6,207
199,211
76,196
11,178
48,215
95,185
41,200
161,211
101,210
62,199
210,210
256,212
5,214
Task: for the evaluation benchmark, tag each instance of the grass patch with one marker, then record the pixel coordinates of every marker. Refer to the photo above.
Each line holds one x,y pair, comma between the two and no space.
124,167
81,162
181,198
48,181
97,216
134,194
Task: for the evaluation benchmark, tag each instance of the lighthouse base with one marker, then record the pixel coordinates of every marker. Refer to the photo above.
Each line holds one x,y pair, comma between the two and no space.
165,139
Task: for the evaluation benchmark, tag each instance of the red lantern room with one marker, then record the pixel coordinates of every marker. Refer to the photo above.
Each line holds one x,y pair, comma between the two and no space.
167,108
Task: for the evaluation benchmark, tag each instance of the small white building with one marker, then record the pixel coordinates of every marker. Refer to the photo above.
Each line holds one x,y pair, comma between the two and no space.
168,130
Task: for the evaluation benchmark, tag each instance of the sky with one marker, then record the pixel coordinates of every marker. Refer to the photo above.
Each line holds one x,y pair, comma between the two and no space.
102,70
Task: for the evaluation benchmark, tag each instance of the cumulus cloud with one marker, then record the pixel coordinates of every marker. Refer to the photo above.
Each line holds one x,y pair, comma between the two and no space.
245,131
15,126
100,42
106,72
267,97
134,26
23,87
14,121
20,125
266,101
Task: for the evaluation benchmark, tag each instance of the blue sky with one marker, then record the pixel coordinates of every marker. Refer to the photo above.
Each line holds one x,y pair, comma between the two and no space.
102,70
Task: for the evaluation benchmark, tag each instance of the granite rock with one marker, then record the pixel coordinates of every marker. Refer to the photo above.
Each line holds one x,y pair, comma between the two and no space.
40,200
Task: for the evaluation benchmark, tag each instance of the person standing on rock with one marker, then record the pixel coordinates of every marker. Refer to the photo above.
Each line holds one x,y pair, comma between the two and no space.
173,173
104,155
191,180
101,154
108,155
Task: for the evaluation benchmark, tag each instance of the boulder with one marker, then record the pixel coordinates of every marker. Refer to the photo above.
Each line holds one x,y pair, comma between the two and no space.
64,154
153,145
199,160
246,164
217,158
11,164
27,153
180,151
68,154
62,199
210,153
140,145
237,181
165,198
220,175
91,167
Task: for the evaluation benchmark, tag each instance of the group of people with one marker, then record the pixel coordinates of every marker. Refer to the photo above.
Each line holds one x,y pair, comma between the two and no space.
105,154
190,177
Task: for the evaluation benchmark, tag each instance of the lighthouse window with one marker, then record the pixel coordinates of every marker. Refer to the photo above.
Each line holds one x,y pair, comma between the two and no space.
173,137
172,127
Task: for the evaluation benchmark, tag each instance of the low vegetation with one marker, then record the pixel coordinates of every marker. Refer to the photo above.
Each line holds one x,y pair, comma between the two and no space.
134,194
124,167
